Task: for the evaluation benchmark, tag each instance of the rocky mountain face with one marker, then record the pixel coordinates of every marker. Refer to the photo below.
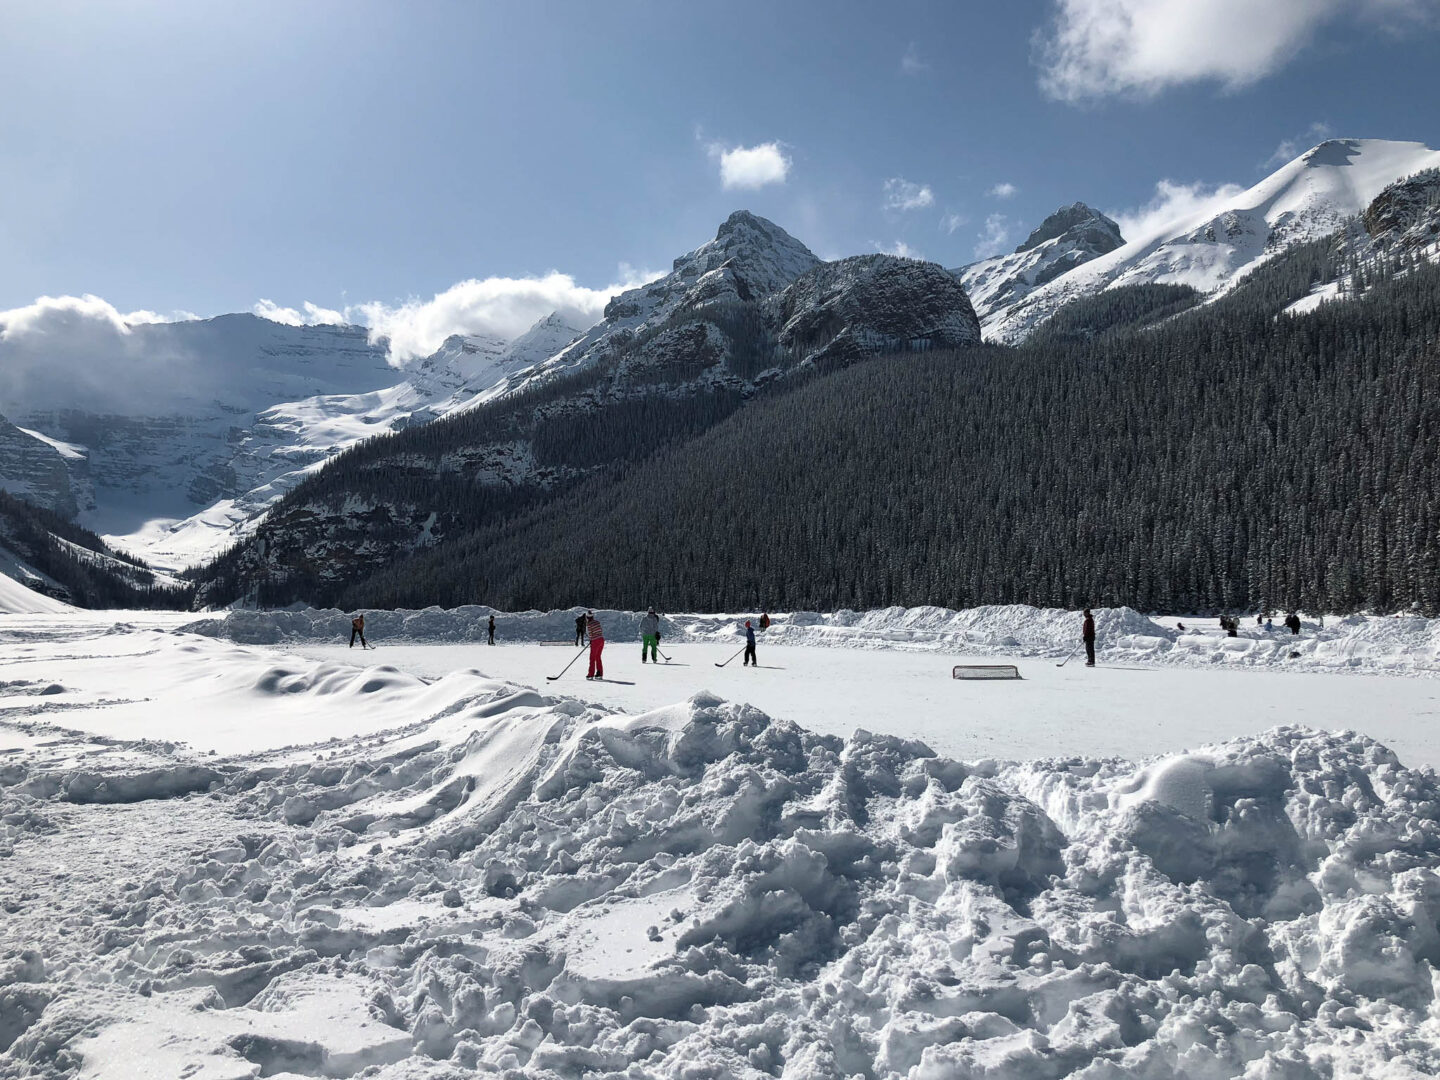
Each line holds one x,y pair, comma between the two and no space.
1072,235
39,472
735,316
1406,215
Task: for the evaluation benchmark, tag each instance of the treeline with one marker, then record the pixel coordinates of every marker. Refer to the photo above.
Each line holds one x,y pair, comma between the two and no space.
87,571
1225,458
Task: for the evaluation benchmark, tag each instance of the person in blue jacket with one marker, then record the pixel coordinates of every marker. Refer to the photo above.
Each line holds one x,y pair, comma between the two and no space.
749,645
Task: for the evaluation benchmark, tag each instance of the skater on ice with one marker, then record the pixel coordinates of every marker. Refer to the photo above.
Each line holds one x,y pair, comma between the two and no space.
492,629
1087,634
764,621
357,628
596,636
580,629
650,636
749,646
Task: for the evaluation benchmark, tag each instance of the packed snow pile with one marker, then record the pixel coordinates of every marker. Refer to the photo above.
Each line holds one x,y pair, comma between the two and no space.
526,886
1401,644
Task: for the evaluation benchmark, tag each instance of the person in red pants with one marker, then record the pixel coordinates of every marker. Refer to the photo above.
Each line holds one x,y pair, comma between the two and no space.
596,635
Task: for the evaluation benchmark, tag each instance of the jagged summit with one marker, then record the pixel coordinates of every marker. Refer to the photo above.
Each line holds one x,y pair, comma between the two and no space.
1070,236
1088,225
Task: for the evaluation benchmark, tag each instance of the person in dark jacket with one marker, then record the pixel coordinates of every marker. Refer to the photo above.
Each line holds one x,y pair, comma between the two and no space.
357,629
749,646
650,636
1087,634
492,629
764,621
579,629
1293,622
597,645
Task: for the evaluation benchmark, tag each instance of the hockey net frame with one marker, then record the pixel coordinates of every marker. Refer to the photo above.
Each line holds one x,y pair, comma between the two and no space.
985,671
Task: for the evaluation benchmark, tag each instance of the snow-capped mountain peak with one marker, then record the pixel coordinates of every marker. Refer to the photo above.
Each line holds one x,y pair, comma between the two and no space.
749,259
1072,235
1212,248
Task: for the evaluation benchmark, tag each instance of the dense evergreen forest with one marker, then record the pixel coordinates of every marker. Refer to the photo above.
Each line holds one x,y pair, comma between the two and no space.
1225,457
86,572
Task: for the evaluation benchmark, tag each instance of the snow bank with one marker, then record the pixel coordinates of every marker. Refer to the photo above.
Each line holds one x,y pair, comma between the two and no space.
1029,629
1400,644
525,886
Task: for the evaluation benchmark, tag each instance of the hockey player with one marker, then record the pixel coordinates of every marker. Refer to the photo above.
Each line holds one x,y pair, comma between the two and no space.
650,636
357,629
764,621
580,629
1087,634
492,629
749,646
596,636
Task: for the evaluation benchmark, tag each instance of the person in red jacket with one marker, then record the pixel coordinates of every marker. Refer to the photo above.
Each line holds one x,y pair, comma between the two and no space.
1087,633
597,645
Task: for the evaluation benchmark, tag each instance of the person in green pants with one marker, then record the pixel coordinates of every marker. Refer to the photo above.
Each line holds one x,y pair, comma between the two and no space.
650,636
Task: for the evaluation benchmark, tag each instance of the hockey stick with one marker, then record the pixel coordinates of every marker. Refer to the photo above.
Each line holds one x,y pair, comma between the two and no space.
567,667
1067,659
742,649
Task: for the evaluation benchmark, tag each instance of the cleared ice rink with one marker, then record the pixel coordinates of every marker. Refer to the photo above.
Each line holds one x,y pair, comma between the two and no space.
1123,710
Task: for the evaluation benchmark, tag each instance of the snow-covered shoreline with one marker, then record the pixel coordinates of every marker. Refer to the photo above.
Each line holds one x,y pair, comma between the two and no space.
1408,645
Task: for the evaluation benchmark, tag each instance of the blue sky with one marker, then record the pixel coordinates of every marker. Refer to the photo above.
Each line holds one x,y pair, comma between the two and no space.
171,156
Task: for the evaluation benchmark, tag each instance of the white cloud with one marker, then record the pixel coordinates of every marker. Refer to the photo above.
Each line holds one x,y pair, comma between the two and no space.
911,64
749,167
953,221
995,238
59,315
1172,203
1092,48
1003,191
901,194
308,315
1291,148
502,307
900,248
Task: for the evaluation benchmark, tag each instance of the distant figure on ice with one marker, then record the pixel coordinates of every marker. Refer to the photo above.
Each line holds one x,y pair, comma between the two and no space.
764,621
749,646
597,645
1293,622
357,629
650,636
1269,625
580,629
1259,617
492,629
1087,634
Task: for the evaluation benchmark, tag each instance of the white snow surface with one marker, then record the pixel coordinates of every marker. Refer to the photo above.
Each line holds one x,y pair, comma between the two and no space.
1213,249
226,860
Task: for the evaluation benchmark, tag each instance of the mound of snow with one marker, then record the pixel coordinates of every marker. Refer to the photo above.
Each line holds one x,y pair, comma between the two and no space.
529,887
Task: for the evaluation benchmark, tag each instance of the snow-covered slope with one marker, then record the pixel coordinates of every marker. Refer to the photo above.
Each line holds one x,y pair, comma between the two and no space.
1072,235
1309,198
19,599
